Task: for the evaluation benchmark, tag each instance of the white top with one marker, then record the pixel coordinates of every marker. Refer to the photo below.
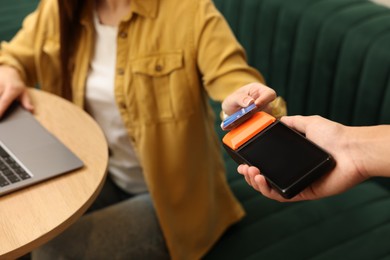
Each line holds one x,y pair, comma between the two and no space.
382,2
123,164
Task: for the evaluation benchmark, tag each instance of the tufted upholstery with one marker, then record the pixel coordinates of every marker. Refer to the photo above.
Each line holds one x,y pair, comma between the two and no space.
12,13
327,57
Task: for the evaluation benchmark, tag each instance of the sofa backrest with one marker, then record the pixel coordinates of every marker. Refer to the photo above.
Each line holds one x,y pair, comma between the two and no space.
326,57
12,13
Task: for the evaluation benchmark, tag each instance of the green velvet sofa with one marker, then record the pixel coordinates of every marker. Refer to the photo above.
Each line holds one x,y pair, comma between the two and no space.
326,57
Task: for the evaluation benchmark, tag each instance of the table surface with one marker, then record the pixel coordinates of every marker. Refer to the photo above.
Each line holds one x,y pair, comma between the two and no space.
32,216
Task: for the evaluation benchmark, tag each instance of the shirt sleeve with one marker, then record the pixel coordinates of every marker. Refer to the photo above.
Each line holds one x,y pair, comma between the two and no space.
23,50
220,57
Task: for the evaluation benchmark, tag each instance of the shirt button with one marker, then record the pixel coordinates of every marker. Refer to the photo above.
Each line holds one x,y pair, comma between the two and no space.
158,68
123,35
121,71
122,105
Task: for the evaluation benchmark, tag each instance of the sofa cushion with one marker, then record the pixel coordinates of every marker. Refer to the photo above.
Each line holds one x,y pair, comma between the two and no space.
353,225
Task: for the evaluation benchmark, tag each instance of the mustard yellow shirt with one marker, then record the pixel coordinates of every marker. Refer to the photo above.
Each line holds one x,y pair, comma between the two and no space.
171,56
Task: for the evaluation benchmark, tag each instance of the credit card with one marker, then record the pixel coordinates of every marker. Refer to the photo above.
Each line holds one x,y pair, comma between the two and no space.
238,117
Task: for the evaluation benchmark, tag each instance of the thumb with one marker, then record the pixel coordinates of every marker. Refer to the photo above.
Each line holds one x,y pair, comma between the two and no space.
296,122
26,101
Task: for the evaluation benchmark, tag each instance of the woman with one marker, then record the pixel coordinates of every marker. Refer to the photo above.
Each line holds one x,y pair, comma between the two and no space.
144,71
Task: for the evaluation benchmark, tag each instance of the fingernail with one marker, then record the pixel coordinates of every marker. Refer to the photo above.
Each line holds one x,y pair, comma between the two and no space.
248,101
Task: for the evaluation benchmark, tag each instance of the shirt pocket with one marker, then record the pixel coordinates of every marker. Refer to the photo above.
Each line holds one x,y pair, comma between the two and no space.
161,86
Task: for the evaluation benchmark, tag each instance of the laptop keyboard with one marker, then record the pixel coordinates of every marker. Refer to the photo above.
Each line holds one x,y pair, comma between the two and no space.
10,170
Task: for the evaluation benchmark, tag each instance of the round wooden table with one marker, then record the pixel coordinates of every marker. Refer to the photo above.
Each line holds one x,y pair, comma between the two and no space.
32,216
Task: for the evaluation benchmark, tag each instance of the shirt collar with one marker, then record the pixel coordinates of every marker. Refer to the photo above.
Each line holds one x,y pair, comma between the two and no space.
147,8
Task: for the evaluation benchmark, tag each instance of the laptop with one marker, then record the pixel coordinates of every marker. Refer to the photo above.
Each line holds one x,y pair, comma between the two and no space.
29,153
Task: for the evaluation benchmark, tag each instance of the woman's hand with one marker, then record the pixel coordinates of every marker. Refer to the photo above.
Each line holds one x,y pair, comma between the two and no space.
256,93
12,88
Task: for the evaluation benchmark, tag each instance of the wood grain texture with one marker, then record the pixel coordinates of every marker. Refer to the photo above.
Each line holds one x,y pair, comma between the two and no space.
32,216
